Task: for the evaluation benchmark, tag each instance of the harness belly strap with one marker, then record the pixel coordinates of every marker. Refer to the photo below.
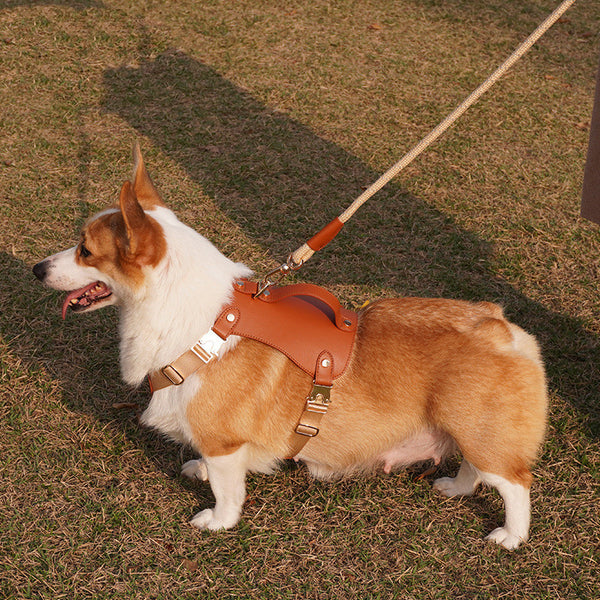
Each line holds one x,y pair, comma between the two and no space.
303,321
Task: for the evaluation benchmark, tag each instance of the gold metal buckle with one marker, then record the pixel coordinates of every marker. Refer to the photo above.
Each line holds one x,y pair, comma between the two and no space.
306,430
316,402
173,375
319,398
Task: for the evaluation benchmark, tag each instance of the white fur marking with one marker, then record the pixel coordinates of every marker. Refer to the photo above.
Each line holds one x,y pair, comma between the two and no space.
516,507
193,273
63,272
464,484
167,410
227,477
515,496
195,469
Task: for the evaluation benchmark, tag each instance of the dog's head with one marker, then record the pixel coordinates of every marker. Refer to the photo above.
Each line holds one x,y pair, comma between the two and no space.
116,248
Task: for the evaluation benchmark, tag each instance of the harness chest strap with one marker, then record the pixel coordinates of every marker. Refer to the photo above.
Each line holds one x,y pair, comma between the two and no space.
317,403
206,349
268,320
175,373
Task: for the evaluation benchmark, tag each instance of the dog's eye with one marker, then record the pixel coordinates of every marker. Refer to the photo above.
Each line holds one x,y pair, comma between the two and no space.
83,250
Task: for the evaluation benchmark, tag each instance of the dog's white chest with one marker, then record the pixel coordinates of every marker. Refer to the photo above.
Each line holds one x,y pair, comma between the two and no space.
167,410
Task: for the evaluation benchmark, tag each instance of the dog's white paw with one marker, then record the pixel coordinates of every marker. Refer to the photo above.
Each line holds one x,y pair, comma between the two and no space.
195,469
503,537
450,487
206,519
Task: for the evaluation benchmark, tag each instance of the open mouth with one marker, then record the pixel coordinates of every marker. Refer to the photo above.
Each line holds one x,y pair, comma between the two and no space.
86,297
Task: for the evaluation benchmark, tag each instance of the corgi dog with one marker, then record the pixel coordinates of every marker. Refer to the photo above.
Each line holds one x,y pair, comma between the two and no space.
426,377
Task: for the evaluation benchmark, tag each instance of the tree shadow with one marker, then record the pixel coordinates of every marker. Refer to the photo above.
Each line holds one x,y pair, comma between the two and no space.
273,177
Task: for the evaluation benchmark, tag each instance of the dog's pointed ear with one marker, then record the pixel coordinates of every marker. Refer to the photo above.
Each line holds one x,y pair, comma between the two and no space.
143,188
134,216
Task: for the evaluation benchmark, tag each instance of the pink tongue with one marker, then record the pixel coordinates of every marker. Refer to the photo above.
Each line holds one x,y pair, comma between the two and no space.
75,294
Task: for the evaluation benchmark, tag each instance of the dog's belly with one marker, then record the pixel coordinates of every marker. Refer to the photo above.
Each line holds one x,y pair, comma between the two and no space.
425,445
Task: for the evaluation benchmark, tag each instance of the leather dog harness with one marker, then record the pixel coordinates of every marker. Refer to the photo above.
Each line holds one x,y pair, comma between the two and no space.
303,321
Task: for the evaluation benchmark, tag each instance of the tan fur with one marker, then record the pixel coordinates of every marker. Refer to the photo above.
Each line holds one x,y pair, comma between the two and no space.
418,365
144,189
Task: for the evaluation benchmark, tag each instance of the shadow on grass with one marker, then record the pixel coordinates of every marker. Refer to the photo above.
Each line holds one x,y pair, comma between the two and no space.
81,354
77,4
280,182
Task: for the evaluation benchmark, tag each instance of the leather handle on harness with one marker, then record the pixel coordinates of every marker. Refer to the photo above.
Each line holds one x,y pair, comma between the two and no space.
309,290
345,320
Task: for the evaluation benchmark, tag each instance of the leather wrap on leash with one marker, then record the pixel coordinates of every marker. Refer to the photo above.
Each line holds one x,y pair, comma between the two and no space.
303,321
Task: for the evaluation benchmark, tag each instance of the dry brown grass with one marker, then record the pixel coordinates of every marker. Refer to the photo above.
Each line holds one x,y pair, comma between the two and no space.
260,122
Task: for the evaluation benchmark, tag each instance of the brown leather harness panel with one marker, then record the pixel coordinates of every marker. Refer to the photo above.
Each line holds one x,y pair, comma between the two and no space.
303,321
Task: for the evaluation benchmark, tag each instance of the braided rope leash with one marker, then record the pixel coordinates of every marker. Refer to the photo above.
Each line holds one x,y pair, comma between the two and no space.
325,235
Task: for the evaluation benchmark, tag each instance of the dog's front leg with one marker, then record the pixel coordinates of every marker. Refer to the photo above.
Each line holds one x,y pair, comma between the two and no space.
227,477
195,469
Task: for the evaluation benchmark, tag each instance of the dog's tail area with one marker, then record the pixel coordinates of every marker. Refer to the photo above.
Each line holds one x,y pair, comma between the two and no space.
508,337
526,344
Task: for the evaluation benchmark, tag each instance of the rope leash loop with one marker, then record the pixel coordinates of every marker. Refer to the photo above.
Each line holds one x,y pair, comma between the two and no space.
327,233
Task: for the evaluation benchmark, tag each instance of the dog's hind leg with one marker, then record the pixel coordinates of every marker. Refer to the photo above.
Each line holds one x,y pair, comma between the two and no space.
517,510
464,484
227,477
515,496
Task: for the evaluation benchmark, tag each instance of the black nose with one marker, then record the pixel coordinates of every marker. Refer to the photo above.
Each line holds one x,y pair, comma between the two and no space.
40,270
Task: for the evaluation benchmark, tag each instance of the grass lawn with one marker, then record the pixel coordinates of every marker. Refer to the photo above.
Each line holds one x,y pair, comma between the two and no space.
260,121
